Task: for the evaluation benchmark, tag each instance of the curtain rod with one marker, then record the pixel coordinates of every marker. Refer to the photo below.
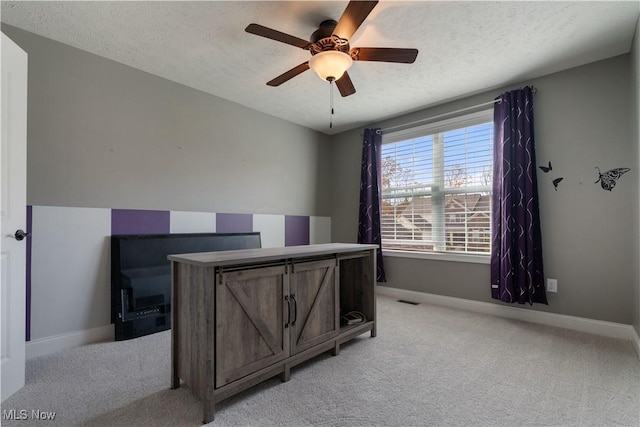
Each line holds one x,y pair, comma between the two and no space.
462,110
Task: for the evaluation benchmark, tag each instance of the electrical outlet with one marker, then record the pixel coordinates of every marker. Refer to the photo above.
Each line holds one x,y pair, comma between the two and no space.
552,285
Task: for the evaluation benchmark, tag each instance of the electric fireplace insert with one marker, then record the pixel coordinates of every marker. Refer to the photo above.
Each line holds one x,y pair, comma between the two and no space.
141,275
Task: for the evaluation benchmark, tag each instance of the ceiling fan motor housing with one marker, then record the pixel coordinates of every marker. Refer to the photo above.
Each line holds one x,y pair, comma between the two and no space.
323,40
325,29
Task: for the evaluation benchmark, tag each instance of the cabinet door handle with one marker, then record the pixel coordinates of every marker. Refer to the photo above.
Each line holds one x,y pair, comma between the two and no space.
286,298
295,309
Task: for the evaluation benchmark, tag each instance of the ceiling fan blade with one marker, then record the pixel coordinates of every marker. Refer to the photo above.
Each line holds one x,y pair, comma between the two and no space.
384,54
289,74
269,33
345,85
352,17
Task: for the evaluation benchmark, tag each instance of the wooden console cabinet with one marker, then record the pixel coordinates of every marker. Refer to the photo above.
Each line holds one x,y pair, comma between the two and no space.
241,317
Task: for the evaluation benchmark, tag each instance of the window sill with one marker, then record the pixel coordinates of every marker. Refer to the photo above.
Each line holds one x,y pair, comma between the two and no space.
474,259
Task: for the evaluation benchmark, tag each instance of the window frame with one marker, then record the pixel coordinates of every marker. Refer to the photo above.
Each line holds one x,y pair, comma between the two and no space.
431,128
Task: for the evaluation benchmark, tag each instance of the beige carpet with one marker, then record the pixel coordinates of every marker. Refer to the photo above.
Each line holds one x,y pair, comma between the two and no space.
429,365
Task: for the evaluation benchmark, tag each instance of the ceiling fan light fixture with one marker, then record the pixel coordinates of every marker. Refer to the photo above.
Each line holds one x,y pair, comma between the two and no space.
330,64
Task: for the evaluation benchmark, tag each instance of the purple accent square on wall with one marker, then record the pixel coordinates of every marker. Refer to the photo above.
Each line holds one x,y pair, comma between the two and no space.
234,223
134,221
296,230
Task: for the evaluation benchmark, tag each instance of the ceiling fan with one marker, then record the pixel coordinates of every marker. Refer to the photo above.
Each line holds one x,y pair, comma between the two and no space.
329,46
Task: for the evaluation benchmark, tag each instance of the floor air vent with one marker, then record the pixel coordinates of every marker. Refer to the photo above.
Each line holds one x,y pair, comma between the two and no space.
408,302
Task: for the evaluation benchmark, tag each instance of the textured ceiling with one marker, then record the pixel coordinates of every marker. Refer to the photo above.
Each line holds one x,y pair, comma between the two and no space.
465,47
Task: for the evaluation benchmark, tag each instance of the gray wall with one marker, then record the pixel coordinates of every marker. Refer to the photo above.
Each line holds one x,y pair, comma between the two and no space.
635,123
102,134
582,121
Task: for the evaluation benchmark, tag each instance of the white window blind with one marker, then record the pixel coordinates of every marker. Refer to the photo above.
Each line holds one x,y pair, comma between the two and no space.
436,186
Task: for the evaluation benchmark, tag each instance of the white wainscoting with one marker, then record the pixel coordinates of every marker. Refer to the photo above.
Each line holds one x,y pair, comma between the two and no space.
70,270
192,222
271,228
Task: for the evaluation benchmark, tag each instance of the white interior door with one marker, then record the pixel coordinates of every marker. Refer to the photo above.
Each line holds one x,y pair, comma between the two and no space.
13,199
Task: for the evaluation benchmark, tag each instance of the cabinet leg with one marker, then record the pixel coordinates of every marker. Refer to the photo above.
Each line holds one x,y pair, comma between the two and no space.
286,373
336,349
374,332
209,400
209,411
175,328
175,378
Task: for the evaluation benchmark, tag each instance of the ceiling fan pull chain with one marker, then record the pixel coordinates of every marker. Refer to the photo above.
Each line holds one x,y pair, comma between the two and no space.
331,103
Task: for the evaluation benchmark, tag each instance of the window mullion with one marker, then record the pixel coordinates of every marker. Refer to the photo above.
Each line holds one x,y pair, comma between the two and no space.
466,197
437,194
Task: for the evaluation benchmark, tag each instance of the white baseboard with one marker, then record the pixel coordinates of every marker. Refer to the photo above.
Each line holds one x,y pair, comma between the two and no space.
43,346
598,327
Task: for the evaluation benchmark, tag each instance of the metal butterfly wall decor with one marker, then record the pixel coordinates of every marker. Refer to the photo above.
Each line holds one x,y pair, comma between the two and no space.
546,169
556,182
609,179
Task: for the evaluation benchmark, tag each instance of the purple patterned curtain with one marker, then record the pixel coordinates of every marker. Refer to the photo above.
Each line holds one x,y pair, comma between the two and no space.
370,200
516,247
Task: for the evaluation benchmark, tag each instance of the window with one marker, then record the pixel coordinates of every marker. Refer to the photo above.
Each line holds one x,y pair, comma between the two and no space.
436,186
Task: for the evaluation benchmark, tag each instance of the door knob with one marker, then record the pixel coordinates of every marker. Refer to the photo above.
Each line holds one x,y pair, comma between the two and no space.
21,234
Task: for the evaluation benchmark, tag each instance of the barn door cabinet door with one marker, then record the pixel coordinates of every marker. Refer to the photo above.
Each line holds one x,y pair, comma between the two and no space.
313,300
250,314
